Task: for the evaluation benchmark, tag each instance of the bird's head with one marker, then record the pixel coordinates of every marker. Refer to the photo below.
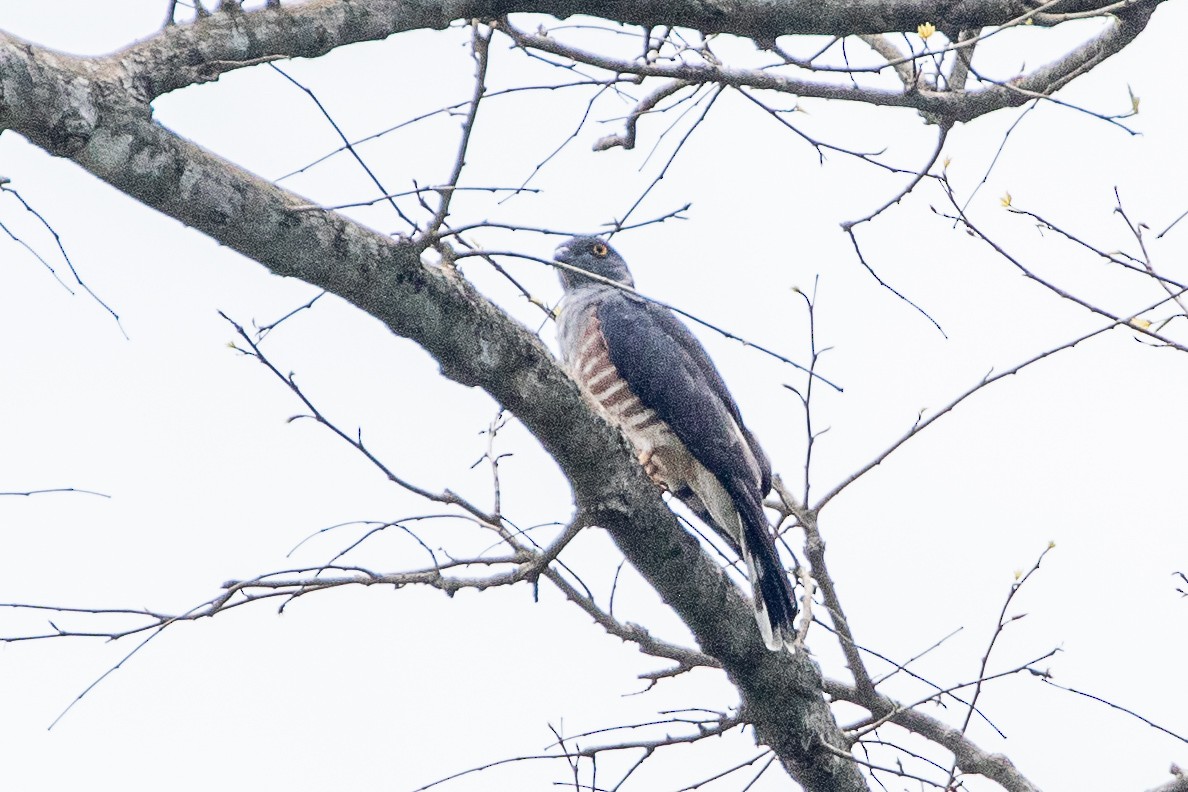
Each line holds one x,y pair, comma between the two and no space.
593,255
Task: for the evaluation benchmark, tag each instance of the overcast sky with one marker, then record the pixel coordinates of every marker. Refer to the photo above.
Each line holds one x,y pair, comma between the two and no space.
208,481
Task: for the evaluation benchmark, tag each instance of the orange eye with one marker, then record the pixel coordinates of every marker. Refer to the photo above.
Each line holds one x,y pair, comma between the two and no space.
600,250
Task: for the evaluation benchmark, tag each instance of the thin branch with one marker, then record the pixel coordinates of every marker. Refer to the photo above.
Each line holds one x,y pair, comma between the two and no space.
345,142
262,331
356,442
480,45
998,152
820,145
693,318
814,549
921,174
1003,621
903,667
626,139
27,493
418,191
723,773
893,771
5,188
905,67
448,109
634,633
977,684
1048,681
1138,327
920,426
1044,94
1136,230
866,265
713,97
572,755
972,759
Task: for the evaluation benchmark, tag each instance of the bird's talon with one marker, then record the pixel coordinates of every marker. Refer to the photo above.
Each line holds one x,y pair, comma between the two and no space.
651,468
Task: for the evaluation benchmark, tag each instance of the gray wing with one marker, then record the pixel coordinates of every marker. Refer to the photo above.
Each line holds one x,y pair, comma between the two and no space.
670,373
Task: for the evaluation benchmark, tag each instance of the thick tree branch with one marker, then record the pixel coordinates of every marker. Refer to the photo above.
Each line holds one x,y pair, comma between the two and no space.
948,106
223,42
183,55
72,110
1179,784
96,112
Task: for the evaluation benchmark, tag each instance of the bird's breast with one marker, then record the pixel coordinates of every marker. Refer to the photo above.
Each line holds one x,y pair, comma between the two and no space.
586,355
591,366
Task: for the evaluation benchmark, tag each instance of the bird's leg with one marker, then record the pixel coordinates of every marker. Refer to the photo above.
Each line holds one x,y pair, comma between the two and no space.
651,468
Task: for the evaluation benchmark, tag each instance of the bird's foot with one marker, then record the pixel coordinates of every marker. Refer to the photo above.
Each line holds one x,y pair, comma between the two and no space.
651,468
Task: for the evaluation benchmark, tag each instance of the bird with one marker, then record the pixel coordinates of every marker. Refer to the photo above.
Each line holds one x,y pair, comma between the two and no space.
649,376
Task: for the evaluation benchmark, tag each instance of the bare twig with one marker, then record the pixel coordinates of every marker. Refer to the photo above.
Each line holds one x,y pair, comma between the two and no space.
708,325
814,549
356,442
860,730
971,758
480,45
627,138
1003,621
1117,319
630,632
49,490
1048,681
713,96
893,771
920,426
866,265
5,188
263,330
1136,230
345,142
921,174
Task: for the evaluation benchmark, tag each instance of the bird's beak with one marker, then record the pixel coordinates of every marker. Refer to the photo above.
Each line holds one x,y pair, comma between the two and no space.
561,253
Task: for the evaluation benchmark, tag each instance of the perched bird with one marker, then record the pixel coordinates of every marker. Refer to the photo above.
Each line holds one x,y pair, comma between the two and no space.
654,381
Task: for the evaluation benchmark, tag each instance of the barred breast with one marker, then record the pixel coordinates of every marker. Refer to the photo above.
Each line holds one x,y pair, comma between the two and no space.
590,365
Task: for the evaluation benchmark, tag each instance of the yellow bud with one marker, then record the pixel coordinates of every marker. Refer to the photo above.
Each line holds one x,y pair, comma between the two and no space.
1005,199
1029,21
1018,574
945,164
1141,324
925,30
1051,544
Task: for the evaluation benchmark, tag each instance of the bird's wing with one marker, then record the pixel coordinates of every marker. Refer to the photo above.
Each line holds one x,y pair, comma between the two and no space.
670,372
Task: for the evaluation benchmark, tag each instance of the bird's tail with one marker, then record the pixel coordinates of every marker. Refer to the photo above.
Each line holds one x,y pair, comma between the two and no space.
775,603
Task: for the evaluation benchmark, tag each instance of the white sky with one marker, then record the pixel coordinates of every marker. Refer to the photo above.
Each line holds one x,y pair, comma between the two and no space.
208,481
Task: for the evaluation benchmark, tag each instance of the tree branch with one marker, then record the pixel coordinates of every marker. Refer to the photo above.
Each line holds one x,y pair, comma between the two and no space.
969,757
72,109
182,55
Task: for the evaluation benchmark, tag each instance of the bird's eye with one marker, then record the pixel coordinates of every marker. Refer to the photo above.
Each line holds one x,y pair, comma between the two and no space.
600,250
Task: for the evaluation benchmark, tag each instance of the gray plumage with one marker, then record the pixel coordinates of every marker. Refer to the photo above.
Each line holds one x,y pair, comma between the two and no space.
654,380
